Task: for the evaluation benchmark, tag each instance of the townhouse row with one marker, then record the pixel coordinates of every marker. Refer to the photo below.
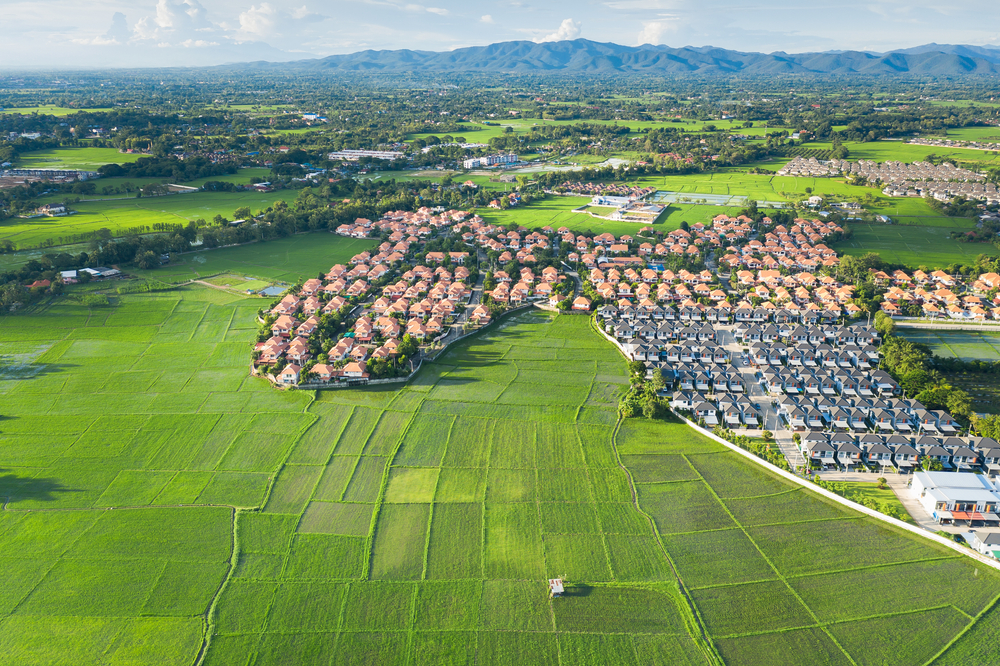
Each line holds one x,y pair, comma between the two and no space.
859,413
900,453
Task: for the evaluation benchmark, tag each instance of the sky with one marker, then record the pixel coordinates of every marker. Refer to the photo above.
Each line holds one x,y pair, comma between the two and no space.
68,34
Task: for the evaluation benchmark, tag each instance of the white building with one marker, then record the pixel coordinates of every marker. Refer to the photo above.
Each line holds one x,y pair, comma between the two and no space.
355,155
490,160
600,200
951,496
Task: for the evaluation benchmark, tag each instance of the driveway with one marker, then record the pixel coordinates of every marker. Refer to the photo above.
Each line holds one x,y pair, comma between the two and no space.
772,422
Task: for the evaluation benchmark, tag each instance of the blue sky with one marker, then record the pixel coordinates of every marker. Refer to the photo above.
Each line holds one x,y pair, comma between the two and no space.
100,33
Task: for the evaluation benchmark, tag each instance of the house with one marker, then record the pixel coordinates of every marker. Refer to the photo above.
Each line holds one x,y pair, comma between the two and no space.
987,543
283,326
321,372
581,304
707,412
289,376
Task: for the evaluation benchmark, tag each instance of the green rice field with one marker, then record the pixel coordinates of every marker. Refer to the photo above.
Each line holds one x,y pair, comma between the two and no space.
914,246
121,214
50,110
163,507
85,158
966,345
285,260
983,389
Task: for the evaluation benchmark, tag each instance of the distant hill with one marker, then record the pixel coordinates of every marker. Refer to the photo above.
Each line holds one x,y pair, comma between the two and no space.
588,57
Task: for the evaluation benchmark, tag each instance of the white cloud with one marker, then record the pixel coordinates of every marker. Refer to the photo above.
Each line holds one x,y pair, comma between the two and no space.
568,29
267,22
175,21
486,18
652,31
412,7
118,33
197,43
640,5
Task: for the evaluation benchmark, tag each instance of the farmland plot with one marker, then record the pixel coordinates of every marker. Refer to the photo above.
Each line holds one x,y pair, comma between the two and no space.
419,524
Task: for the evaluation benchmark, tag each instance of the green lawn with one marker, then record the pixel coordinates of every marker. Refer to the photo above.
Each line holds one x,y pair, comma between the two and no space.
416,523
85,158
930,246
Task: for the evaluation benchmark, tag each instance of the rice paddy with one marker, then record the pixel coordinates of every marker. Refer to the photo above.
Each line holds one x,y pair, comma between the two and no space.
159,505
914,246
85,158
129,213
967,345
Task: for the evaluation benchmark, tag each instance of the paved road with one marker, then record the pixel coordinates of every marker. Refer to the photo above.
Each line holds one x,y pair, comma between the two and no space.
900,486
772,422
576,279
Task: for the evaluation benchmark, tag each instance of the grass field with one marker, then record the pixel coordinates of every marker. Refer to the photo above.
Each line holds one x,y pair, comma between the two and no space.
883,151
49,109
971,345
558,212
967,345
914,246
128,213
415,524
85,158
285,260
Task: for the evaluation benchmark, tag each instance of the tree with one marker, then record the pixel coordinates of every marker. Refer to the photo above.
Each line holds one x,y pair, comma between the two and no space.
659,382
242,213
931,464
884,324
637,368
935,397
649,409
767,435
987,426
959,404
408,346
147,260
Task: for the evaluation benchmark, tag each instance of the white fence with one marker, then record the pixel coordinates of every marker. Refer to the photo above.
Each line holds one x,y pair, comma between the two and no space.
872,513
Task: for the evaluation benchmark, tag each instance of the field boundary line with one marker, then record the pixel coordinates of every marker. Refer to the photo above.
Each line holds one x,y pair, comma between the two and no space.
380,498
964,631
880,565
871,513
774,567
209,617
693,616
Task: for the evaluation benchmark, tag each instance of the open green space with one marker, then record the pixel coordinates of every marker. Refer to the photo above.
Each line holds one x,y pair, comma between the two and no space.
415,523
121,214
285,260
238,282
914,246
557,211
884,151
967,345
85,158
49,110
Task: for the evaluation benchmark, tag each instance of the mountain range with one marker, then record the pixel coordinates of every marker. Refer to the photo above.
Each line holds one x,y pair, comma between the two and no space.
582,56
